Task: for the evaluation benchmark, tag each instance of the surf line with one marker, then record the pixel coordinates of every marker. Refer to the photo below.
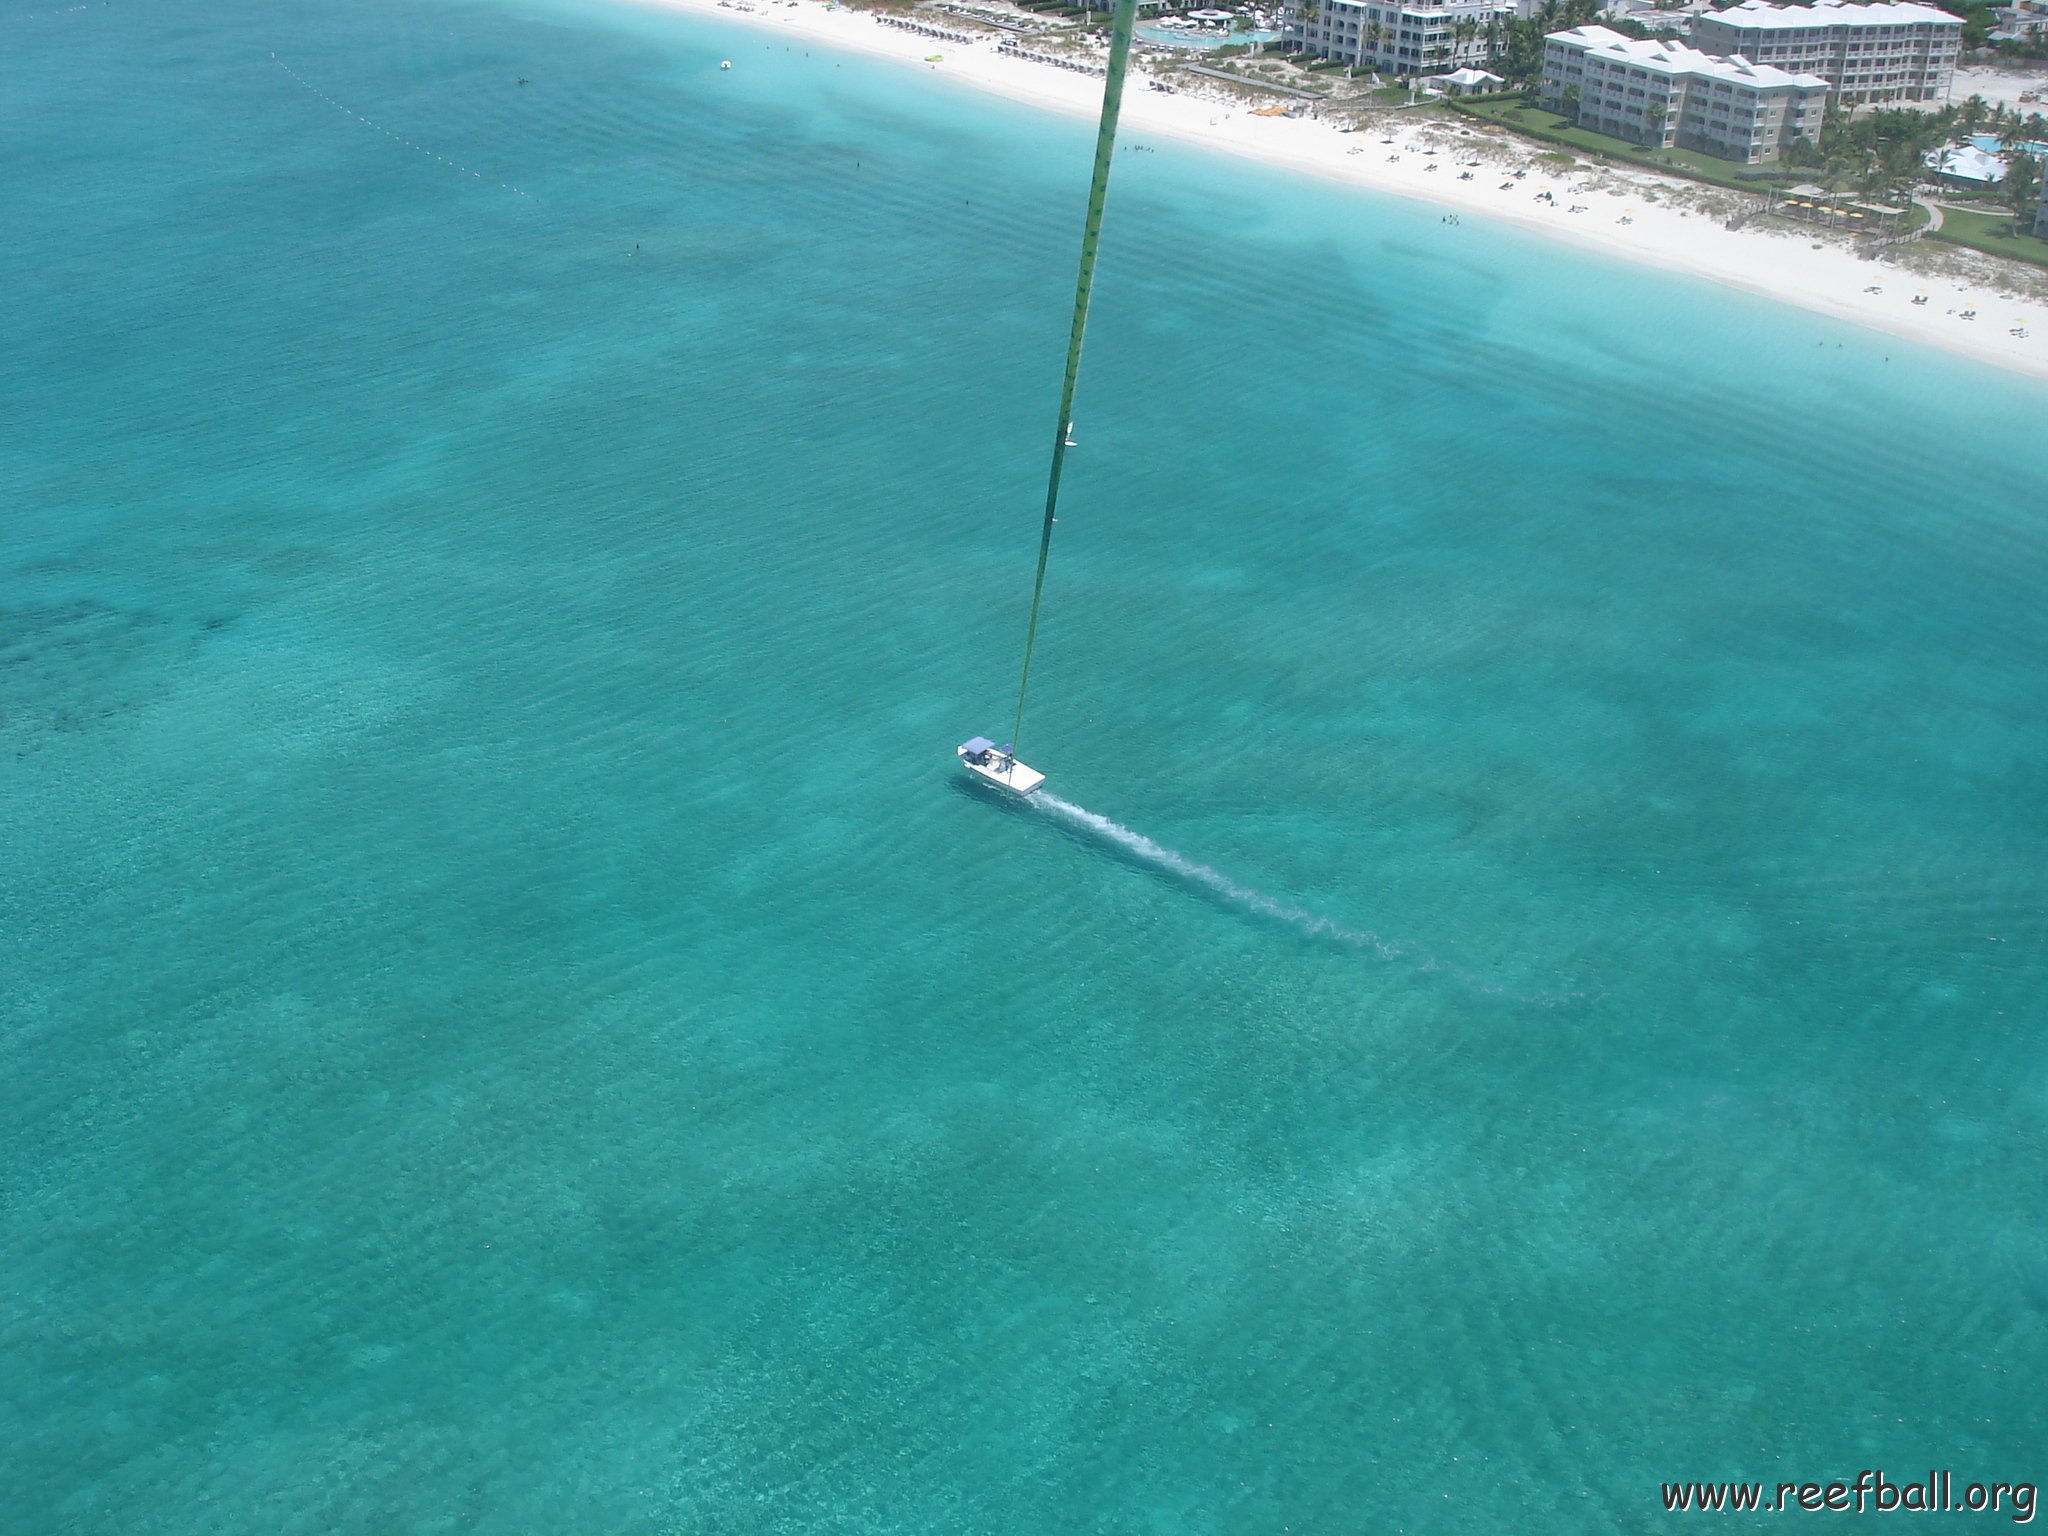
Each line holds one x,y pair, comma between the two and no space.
390,133
1312,924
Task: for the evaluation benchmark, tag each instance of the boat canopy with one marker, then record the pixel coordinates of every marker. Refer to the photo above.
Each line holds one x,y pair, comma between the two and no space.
977,746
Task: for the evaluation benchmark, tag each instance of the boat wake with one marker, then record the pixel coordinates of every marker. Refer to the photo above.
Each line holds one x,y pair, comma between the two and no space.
1310,924
1218,883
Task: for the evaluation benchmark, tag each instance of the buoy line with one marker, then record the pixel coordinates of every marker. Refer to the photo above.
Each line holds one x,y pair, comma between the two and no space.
62,10
391,133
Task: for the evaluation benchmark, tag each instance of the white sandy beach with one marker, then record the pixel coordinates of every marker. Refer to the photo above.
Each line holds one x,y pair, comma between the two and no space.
1629,214
2022,88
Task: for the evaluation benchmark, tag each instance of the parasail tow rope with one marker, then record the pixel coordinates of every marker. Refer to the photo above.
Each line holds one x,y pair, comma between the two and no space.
1091,233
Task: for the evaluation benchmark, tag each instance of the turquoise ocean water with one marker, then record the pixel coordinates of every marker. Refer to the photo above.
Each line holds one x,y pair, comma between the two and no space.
512,1022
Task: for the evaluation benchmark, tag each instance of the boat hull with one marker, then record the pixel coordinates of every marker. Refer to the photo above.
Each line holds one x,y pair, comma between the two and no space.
1005,773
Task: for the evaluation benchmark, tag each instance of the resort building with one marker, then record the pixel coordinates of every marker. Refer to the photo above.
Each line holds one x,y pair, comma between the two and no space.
1866,53
1463,82
1969,166
2021,22
1400,37
1670,96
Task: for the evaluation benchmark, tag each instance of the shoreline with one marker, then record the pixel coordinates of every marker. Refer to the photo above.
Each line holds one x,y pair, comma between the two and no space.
1633,215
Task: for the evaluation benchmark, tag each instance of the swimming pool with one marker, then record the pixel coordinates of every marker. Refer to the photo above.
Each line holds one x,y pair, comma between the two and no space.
1991,144
1207,37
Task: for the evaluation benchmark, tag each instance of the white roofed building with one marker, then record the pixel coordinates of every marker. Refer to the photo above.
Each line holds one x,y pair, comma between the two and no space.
1968,166
1888,52
1670,96
1401,37
1463,82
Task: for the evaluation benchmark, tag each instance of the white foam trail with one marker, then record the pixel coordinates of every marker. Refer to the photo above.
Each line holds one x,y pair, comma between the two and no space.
1310,923
1214,880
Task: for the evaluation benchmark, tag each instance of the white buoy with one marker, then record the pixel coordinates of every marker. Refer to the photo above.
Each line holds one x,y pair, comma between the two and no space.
725,63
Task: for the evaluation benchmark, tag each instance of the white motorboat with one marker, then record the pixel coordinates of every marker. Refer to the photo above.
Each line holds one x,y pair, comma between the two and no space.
986,760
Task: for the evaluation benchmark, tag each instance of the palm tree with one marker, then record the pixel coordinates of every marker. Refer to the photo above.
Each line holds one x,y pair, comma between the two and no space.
2022,182
1463,33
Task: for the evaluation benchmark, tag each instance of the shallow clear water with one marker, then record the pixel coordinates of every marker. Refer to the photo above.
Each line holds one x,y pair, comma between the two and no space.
513,1022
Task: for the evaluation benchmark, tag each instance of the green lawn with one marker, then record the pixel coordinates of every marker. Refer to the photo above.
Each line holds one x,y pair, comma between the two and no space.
1992,234
1533,121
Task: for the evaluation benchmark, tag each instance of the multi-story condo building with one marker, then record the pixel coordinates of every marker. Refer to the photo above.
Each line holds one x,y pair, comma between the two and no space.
1674,97
1866,53
1401,37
